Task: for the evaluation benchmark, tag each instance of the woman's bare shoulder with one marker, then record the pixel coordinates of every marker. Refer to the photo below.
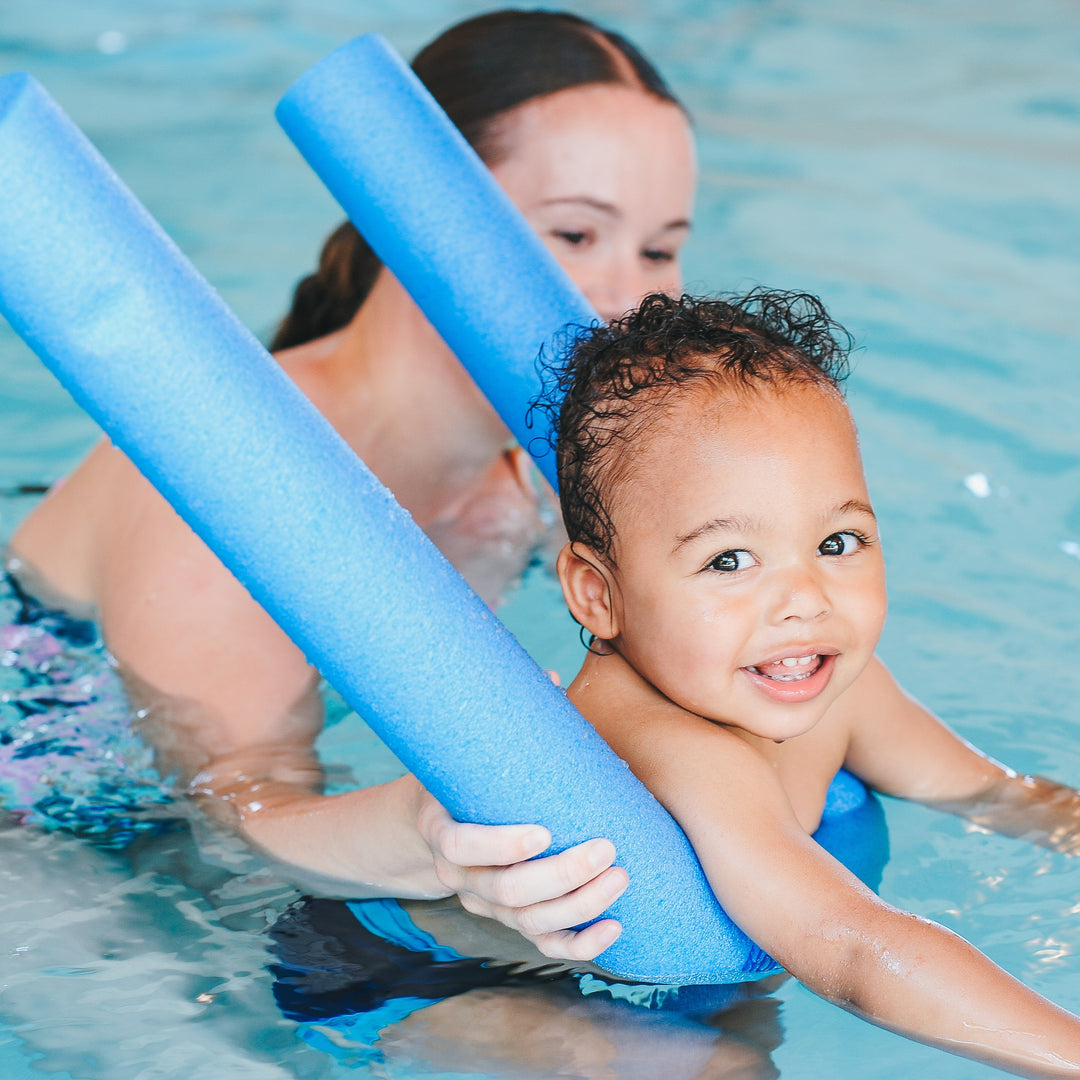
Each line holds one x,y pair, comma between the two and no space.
491,533
66,535
170,611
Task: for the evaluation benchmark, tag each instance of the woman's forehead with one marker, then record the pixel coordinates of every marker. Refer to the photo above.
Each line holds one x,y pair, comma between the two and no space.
592,134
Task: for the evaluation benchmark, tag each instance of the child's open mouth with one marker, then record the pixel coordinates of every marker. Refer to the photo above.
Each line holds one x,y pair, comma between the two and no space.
790,669
792,679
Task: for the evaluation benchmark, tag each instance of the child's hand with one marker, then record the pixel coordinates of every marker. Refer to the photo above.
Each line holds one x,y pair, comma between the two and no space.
1031,807
493,871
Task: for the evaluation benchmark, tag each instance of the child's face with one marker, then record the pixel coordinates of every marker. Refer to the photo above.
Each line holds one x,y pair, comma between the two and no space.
750,587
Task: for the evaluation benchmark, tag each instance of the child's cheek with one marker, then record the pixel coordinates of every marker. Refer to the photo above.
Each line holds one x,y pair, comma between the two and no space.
868,610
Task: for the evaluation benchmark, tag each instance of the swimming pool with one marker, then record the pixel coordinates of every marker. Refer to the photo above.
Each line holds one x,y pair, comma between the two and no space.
913,162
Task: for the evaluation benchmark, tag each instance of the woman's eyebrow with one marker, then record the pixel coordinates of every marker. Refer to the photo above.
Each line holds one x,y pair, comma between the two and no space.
609,208
585,200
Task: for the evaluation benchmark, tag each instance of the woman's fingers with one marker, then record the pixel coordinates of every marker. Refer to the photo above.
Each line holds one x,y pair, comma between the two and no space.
512,895
579,944
552,880
493,871
542,918
460,844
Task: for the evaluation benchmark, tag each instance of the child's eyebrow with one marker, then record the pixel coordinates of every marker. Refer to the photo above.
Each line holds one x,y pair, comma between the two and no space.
734,524
741,524
855,506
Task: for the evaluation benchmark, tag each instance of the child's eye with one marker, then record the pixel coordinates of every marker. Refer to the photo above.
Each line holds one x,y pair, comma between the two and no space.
842,543
730,561
656,255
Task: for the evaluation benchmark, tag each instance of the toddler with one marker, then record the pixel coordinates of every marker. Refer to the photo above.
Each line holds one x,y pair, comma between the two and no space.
724,557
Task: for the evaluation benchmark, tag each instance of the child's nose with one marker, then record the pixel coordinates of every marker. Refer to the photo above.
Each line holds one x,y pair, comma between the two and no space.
800,595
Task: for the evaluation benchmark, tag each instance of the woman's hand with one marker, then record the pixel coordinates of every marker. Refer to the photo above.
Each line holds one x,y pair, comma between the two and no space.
494,874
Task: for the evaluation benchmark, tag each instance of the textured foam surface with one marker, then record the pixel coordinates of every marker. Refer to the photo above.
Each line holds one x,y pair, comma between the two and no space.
430,209
150,351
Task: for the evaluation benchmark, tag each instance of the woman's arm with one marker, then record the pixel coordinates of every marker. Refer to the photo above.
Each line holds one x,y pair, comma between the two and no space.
407,845
233,709
900,748
900,971
395,839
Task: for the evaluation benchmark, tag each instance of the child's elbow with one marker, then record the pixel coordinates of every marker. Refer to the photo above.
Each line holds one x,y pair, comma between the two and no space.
857,964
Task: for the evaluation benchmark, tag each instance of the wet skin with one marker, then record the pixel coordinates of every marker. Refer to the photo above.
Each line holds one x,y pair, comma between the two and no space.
736,620
749,586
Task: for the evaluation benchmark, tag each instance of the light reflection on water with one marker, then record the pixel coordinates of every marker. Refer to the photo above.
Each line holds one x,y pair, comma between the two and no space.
914,163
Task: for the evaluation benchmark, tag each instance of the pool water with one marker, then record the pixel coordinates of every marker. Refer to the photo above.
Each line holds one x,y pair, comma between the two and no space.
913,162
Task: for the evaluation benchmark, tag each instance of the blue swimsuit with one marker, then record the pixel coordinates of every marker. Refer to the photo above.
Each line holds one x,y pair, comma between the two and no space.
355,968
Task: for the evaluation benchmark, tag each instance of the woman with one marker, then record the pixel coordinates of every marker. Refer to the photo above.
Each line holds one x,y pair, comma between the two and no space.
586,139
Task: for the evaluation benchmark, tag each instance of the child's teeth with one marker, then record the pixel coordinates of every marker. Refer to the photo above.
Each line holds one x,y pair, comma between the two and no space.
774,668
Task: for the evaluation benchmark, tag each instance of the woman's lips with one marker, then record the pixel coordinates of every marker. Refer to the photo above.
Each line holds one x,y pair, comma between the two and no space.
793,679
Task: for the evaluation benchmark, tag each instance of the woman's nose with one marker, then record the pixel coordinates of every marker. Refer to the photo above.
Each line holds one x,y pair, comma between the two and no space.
621,284
614,295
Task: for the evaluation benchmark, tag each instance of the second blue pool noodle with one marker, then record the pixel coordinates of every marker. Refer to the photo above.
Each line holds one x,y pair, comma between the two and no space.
433,213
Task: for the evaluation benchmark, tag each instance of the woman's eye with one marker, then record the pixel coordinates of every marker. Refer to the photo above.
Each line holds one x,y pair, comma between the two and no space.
655,255
841,543
729,561
573,237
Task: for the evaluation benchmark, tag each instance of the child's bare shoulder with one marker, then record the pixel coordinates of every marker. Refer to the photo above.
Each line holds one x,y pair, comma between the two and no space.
657,737
624,707
676,752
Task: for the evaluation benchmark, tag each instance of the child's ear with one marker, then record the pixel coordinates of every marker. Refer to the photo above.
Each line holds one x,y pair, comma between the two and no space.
587,589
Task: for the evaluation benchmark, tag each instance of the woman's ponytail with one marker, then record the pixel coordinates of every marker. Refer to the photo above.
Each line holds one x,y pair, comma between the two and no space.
328,299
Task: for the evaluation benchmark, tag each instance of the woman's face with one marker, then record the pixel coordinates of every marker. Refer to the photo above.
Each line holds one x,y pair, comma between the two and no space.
606,175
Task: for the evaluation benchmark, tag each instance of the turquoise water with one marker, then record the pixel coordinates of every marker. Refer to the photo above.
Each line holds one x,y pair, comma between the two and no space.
916,164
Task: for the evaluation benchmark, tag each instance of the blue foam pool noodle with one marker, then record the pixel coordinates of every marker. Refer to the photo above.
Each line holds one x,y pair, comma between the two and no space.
433,213
152,353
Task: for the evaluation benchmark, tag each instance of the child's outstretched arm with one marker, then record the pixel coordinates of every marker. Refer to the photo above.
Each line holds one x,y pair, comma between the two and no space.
902,749
900,971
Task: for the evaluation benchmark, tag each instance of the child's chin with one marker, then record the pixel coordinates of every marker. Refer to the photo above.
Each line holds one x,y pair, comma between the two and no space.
784,728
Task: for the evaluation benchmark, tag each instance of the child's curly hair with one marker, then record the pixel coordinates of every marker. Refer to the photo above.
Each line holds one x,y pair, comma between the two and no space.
594,395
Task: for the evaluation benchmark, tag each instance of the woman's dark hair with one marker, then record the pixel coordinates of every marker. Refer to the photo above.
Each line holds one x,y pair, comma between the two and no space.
614,378
477,71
